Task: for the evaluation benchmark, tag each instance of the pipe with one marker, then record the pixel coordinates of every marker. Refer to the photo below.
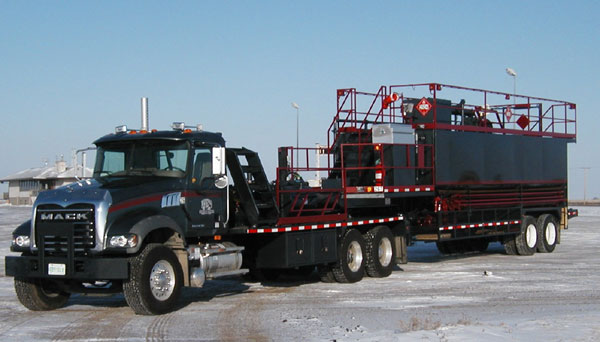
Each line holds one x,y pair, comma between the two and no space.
144,114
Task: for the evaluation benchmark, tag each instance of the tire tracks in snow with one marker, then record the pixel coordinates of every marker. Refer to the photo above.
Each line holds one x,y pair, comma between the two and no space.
244,320
158,330
105,324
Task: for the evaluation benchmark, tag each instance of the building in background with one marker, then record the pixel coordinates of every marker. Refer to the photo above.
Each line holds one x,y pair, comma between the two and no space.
24,186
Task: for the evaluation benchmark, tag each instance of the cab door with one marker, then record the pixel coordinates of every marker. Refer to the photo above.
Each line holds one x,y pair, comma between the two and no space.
206,203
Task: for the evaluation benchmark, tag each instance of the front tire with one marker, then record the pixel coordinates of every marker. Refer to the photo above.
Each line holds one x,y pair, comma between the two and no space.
547,233
380,252
39,296
350,267
155,281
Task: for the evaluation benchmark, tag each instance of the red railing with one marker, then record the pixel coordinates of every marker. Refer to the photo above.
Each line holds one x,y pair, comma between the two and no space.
302,201
472,110
492,111
353,115
326,198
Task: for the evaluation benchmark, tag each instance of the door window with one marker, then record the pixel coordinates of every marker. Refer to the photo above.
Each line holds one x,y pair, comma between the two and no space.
202,166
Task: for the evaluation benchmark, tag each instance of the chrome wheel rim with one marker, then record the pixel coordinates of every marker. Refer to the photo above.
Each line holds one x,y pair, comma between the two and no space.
385,252
162,280
550,234
531,236
354,256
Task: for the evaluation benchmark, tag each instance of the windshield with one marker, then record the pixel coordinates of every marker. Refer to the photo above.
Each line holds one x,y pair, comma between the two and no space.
141,158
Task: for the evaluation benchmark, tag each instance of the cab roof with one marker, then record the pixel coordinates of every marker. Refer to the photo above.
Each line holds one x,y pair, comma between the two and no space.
174,135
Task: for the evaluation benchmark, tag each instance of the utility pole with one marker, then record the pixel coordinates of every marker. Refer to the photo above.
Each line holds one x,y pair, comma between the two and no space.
585,169
295,105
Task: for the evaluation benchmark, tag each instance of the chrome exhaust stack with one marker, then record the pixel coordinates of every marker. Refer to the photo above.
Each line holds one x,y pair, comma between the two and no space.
144,114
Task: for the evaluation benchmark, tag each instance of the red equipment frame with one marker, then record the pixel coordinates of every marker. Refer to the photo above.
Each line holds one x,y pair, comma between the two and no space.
357,111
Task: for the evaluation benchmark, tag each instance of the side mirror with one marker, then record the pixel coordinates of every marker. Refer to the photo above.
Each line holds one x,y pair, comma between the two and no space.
218,162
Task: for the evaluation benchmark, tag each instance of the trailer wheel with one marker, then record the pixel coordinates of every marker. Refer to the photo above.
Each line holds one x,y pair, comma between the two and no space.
547,233
326,273
526,241
39,296
154,282
350,266
380,252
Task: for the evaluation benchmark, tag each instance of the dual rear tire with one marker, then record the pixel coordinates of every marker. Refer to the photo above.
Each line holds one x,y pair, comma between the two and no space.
526,241
373,254
539,235
381,253
350,267
548,233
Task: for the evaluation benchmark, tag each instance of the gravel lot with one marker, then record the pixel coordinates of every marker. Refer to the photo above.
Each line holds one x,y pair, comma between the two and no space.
489,296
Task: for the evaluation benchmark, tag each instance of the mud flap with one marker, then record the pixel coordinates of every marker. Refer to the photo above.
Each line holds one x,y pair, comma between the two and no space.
401,250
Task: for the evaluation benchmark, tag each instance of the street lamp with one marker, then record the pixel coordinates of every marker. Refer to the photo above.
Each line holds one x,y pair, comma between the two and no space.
295,105
513,73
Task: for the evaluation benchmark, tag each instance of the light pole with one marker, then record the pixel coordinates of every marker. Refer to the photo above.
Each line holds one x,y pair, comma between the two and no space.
295,105
513,73
585,177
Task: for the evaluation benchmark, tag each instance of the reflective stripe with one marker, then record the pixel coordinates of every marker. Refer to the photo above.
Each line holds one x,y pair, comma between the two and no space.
479,225
323,226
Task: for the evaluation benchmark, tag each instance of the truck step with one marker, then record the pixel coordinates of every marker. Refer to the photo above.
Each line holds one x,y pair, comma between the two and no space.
227,273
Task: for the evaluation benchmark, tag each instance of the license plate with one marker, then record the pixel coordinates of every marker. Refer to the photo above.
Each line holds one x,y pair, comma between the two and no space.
57,269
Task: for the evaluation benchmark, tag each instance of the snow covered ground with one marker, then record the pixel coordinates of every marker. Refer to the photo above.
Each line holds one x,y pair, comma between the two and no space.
545,297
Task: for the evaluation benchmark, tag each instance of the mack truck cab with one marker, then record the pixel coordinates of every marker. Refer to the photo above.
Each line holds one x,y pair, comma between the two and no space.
148,223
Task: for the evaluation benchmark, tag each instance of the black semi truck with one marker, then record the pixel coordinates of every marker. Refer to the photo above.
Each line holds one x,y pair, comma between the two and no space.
167,209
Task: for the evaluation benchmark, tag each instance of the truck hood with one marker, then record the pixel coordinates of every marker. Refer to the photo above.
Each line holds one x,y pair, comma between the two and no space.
108,193
84,191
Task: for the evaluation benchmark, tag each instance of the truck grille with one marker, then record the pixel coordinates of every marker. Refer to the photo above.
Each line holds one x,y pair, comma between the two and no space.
62,231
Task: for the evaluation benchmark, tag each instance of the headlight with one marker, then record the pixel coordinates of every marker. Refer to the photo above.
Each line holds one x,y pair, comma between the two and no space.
21,241
123,241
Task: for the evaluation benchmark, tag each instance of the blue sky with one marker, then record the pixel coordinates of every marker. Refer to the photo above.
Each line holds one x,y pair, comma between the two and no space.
72,71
